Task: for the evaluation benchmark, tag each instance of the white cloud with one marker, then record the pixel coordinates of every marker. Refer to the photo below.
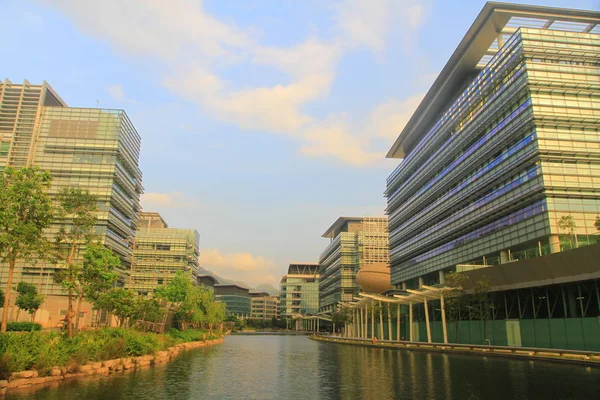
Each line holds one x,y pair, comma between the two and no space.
390,117
244,267
192,46
157,201
116,91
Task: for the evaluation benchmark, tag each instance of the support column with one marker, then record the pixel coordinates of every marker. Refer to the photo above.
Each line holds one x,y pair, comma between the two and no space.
421,283
554,244
503,256
398,324
364,322
372,319
318,325
381,337
404,286
442,277
427,319
444,327
410,321
389,313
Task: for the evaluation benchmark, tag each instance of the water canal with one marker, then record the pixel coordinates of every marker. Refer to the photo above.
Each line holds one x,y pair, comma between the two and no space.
292,367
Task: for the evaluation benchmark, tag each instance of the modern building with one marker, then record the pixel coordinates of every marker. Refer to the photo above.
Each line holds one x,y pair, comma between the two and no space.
207,280
501,160
354,243
264,306
159,252
299,290
236,298
88,148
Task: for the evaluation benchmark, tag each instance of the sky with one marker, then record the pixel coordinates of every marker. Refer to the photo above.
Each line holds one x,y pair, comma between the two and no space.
262,121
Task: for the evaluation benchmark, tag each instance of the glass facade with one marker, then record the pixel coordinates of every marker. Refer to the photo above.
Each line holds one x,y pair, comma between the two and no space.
93,149
159,252
236,298
517,149
356,242
299,290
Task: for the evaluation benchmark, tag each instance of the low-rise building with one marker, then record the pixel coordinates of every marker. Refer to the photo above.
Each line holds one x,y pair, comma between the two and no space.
300,289
236,298
264,306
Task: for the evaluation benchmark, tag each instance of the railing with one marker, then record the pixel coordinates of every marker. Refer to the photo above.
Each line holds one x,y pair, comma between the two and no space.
587,356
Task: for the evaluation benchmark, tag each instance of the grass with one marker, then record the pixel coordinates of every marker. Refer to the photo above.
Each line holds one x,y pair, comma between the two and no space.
43,350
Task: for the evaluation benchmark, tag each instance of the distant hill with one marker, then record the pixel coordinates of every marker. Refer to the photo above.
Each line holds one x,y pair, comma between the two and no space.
265,287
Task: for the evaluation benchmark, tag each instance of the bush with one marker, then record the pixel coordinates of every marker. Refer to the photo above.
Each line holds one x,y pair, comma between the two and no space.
23,327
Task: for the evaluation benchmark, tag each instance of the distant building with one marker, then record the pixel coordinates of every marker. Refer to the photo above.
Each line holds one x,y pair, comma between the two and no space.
160,252
264,306
236,298
300,289
354,243
85,148
207,280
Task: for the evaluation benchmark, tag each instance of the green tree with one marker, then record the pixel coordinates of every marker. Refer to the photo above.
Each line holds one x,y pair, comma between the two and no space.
119,302
176,290
28,299
96,275
479,303
77,207
567,224
455,300
25,211
148,310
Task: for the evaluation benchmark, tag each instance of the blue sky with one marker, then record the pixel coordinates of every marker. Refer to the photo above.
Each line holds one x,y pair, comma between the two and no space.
261,121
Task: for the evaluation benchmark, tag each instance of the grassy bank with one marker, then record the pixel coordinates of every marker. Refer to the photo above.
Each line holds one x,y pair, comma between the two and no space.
42,351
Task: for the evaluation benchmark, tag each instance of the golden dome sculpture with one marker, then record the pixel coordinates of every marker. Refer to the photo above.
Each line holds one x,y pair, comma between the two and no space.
374,278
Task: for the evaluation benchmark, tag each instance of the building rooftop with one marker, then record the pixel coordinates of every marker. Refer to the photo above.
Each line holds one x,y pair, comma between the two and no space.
303,268
337,226
151,219
495,21
260,294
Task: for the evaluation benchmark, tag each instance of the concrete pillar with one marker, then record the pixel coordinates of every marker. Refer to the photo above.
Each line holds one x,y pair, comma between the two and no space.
427,320
372,319
442,277
421,282
444,327
318,325
410,321
398,323
404,286
389,313
554,243
503,256
381,321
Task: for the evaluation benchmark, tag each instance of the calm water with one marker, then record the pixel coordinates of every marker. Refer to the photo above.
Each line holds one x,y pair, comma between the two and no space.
288,367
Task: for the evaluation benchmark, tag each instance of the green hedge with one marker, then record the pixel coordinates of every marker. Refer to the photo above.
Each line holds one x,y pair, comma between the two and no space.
43,350
23,327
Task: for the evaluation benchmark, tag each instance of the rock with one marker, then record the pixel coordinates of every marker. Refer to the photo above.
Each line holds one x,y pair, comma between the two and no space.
111,363
23,375
96,365
102,371
15,383
85,368
129,365
118,367
143,363
3,391
55,371
161,354
3,384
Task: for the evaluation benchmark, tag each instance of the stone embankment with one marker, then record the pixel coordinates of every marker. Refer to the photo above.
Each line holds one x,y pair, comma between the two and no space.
32,379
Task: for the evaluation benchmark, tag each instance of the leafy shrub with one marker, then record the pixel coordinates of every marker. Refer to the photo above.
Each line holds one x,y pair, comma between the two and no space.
23,327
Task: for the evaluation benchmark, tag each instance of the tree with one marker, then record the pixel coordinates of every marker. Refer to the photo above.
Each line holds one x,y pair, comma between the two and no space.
597,223
25,211
479,301
456,300
567,223
119,302
175,291
147,310
28,299
79,207
96,274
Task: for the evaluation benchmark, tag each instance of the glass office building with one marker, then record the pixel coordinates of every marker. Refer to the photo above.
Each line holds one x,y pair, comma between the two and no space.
504,146
159,252
88,148
354,242
236,298
299,290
